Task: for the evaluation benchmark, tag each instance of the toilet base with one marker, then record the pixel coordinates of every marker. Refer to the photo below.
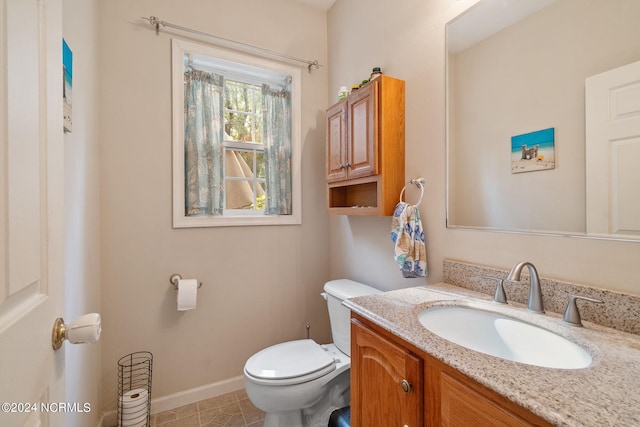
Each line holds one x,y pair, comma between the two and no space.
335,395
281,420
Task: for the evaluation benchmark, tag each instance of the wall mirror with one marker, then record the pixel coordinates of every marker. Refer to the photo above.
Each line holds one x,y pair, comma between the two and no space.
521,126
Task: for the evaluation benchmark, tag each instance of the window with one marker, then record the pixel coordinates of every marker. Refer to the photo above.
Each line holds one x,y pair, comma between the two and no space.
236,139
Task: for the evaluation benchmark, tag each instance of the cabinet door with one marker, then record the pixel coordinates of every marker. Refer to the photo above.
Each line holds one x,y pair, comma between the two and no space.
363,132
462,406
337,142
454,400
378,369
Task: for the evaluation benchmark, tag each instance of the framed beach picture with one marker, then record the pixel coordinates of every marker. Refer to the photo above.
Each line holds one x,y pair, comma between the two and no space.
533,151
67,76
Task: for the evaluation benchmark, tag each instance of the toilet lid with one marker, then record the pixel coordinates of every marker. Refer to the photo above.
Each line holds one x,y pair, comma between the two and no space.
291,359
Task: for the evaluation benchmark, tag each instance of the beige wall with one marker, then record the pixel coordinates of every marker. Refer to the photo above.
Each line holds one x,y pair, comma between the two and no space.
82,207
261,285
406,39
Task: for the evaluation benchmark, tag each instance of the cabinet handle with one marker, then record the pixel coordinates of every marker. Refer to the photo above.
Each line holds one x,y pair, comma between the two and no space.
341,167
348,165
406,387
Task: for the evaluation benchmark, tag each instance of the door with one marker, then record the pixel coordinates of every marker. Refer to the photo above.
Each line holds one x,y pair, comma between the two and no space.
613,151
31,216
461,405
386,382
363,132
337,142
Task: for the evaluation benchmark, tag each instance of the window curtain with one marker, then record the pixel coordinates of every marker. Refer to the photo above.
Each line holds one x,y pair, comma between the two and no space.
277,149
203,149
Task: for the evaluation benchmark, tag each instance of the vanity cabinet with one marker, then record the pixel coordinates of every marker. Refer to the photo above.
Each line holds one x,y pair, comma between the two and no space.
439,394
365,149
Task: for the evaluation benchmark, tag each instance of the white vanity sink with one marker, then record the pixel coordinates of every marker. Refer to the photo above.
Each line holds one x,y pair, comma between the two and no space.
505,337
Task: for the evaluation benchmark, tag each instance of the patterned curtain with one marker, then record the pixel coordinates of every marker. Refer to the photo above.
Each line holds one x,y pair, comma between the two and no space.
203,150
277,142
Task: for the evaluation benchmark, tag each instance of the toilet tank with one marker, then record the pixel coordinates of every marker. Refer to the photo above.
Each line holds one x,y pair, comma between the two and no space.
337,291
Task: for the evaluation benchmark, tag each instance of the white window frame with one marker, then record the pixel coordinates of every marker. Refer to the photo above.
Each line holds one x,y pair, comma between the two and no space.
231,218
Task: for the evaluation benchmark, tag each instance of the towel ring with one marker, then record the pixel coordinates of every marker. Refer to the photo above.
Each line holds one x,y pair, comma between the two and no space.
418,182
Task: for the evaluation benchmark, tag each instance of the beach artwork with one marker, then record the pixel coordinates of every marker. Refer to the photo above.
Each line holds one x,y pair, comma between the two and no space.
67,76
533,151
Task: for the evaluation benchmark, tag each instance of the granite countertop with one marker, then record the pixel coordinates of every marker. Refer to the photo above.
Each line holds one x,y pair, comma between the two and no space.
606,393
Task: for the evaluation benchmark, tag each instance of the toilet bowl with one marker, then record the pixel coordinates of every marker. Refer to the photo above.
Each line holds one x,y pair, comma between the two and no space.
300,383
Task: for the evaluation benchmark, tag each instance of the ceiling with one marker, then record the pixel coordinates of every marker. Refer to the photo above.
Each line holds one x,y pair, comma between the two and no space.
318,4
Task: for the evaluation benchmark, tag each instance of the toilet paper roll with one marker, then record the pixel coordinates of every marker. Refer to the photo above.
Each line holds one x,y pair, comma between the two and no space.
134,408
187,294
84,329
133,398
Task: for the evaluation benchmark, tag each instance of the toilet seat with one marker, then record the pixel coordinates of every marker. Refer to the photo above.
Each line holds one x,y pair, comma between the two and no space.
288,363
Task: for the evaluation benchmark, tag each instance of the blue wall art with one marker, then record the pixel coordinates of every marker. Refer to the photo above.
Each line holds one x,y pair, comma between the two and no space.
533,151
67,75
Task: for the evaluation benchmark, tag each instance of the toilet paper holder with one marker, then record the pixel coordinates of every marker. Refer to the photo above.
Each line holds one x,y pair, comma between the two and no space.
134,389
174,281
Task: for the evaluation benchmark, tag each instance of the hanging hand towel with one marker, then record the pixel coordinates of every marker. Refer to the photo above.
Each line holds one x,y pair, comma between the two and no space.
410,252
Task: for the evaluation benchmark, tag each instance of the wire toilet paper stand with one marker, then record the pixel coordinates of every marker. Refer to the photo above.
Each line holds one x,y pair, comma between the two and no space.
134,389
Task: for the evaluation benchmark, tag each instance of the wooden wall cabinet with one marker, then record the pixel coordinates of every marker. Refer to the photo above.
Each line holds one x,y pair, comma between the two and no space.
365,149
440,396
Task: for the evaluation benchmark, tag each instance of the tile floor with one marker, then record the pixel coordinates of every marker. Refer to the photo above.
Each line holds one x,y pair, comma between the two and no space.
229,410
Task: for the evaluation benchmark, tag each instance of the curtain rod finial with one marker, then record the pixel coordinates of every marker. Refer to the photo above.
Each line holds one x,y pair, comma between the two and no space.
153,20
314,64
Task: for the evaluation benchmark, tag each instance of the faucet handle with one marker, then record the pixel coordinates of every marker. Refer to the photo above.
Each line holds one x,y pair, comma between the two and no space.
572,314
499,295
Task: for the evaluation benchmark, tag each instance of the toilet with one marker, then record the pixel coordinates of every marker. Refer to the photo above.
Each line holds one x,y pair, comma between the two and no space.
299,383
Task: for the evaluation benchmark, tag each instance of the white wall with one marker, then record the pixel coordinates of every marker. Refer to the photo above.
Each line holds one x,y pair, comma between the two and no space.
82,207
406,39
261,285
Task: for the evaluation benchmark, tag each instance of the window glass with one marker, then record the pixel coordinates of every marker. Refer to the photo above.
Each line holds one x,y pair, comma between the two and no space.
243,111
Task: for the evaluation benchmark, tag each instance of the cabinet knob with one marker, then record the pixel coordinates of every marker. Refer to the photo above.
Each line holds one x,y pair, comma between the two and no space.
341,167
348,165
406,386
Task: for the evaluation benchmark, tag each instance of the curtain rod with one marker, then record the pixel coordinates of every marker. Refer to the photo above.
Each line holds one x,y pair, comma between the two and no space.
154,21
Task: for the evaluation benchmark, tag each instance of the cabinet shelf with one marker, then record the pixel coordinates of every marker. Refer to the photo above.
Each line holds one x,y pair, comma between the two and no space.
357,197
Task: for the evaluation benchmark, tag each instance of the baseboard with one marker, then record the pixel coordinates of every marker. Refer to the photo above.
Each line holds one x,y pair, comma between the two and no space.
172,401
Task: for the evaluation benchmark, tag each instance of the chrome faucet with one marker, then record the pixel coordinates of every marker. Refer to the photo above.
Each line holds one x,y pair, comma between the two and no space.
535,293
